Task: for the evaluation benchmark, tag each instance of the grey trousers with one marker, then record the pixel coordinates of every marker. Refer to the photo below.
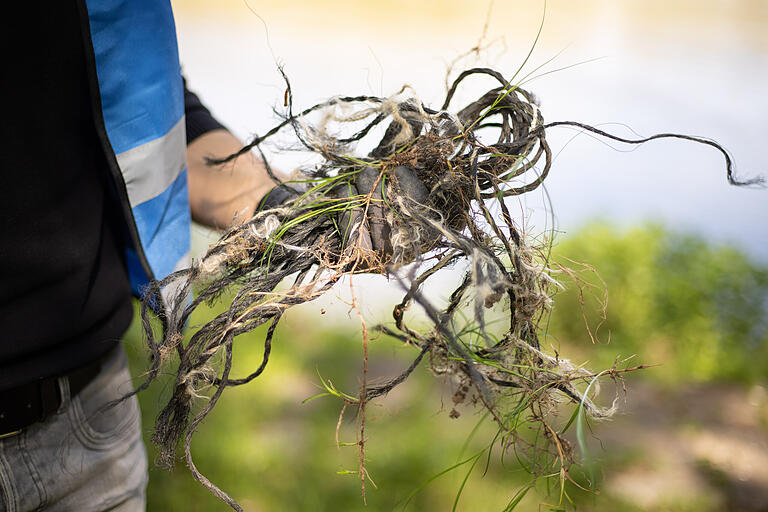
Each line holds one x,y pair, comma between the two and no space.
82,458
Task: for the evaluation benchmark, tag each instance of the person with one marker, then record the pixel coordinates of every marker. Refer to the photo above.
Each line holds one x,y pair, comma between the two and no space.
103,164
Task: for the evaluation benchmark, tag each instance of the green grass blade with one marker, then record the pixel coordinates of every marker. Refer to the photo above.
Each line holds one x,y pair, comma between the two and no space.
517,498
464,482
580,436
431,479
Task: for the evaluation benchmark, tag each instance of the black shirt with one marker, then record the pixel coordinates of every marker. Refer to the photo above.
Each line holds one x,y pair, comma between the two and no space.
65,297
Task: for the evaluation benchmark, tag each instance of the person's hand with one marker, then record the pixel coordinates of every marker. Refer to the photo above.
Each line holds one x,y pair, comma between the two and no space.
220,195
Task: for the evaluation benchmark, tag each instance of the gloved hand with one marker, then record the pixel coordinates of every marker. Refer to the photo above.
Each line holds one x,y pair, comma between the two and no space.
370,227
277,196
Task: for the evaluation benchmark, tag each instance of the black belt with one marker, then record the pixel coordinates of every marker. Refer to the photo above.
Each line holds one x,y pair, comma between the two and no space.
24,405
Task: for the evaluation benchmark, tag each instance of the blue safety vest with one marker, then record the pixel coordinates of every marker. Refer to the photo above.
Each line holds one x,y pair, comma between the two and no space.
141,123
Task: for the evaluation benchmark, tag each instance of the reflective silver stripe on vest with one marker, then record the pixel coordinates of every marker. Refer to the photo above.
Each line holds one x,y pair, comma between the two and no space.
149,169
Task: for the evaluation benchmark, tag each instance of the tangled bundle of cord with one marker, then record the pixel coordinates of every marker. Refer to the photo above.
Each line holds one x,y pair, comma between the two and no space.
435,190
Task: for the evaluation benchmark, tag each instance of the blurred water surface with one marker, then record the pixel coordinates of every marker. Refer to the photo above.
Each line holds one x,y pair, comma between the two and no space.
695,67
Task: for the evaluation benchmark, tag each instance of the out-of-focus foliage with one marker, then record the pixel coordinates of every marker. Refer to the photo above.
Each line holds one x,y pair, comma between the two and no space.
272,452
697,309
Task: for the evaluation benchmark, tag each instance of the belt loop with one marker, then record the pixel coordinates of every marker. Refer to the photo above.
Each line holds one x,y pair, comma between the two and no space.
64,394
49,397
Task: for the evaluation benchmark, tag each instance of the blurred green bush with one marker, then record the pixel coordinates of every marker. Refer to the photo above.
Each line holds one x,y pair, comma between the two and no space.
698,309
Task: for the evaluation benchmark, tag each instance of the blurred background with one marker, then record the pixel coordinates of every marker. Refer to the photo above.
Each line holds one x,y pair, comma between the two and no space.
684,256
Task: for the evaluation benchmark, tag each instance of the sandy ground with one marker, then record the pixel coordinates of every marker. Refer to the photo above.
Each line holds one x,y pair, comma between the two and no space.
702,447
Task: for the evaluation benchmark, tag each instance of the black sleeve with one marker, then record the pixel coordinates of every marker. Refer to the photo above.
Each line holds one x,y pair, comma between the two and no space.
198,118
